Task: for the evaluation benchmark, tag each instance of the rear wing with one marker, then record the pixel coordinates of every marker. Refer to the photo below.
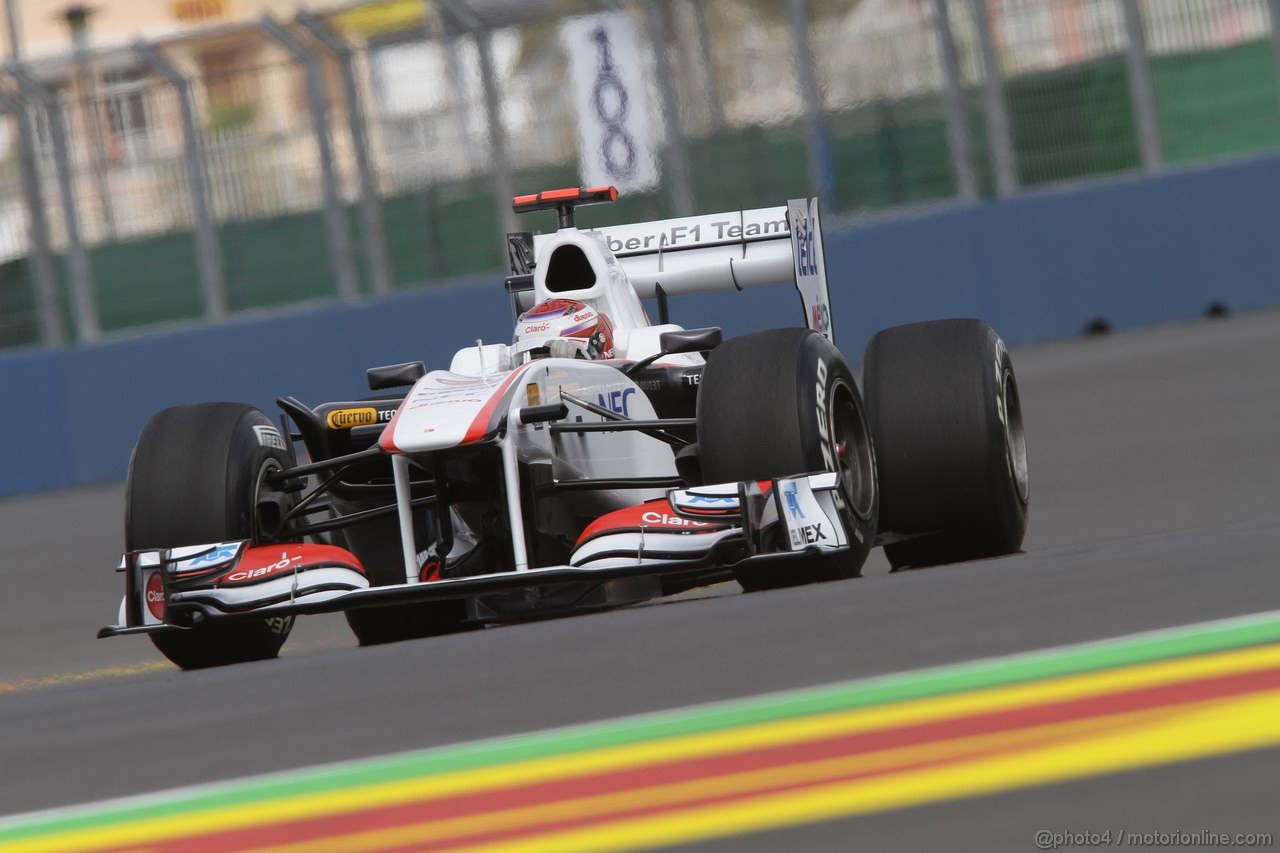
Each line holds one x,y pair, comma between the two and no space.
727,251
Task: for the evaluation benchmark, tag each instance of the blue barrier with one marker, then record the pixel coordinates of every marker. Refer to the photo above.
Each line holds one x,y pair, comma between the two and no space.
1135,251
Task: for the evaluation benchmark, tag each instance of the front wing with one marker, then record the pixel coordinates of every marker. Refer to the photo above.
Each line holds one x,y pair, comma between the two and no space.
699,532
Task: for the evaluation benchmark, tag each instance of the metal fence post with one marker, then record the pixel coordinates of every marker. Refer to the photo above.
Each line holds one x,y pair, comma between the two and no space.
465,19
334,215
48,303
677,163
1274,7
370,206
1142,92
703,31
208,255
958,139
999,137
503,185
820,167
84,303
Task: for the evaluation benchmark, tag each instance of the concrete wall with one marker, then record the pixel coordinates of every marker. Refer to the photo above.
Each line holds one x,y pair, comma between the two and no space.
1135,251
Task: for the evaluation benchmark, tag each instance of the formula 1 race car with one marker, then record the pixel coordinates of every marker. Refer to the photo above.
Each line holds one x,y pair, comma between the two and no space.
598,460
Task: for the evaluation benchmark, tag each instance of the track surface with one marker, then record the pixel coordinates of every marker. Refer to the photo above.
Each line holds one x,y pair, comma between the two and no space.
1155,478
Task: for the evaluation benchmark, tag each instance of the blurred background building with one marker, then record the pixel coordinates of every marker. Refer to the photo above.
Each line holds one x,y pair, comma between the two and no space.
173,160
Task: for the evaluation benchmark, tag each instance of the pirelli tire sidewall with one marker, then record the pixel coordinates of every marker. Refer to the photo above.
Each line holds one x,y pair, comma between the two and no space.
194,478
945,411
785,402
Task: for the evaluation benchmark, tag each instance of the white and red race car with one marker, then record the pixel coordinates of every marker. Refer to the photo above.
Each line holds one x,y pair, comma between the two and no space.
599,459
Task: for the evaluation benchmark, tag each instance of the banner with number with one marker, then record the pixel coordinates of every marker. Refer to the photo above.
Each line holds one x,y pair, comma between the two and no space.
614,136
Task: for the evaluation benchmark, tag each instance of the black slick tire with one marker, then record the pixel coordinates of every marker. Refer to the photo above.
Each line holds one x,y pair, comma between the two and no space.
946,417
378,546
194,479
781,403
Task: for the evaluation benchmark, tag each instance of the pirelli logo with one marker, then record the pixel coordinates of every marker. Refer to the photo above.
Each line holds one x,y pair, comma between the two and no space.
348,418
197,10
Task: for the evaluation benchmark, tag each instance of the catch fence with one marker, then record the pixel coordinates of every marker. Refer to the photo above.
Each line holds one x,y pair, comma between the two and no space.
277,162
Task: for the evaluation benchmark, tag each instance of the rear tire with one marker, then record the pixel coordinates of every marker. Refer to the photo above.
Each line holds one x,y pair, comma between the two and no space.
194,479
760,416
945,414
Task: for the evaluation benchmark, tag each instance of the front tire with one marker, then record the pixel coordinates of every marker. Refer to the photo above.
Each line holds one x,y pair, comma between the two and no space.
947,421
782,403
395,623
377,543
196,477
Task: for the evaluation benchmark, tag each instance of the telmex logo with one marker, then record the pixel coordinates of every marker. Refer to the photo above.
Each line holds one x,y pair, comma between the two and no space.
348,418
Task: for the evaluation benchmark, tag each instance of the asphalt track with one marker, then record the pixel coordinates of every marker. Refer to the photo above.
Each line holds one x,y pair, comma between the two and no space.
1155,475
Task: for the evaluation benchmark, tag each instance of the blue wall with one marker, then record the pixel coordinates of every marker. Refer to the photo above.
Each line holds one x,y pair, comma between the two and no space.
1136,251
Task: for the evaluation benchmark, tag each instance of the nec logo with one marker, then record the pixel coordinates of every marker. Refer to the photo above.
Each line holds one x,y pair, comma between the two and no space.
618,402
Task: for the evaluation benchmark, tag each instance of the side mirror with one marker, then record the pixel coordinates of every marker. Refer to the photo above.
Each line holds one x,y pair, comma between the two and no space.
395,375
690,340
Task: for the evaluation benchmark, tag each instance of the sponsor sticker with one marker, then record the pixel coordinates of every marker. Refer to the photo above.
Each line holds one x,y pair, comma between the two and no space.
820,317
153,595
793,505
269,436
714,500
349,418
663,520
617,401
704,504
809,534
252,569
533,393
809,266
693,231
807,524
219,555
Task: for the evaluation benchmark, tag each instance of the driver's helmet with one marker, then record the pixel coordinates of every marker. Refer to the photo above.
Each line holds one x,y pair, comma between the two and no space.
563,328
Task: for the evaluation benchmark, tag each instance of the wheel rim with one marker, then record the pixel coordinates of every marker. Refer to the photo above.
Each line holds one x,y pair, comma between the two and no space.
855,462
1015,437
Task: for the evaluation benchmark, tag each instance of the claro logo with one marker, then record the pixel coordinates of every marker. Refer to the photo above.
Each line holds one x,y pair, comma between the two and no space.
153,594
247,573
348,418
665,520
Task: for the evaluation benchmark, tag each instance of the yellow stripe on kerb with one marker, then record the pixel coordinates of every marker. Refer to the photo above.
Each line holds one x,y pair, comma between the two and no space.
719,742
